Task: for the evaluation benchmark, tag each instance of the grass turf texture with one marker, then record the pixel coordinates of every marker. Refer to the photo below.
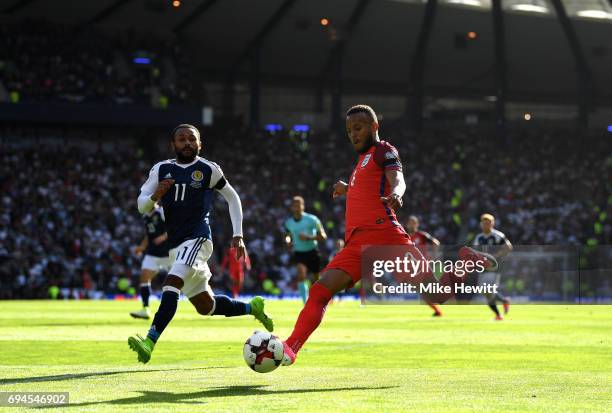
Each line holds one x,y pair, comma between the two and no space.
376,358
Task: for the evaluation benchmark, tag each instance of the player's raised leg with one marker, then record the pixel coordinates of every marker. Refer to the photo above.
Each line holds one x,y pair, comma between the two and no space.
208,304
331,282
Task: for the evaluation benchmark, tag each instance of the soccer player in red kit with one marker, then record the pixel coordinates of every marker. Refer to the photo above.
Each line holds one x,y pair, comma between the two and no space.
417,236
421,239
236,269
373,193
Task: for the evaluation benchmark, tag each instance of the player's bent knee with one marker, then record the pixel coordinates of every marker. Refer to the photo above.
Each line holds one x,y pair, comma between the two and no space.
174,281
334,280
203,303
204,309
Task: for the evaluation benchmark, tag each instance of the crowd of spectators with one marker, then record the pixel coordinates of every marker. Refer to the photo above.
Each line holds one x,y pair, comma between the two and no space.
50,62
68,214
544,188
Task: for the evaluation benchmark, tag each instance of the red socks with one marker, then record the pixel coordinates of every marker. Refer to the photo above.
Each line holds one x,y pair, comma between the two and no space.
310,317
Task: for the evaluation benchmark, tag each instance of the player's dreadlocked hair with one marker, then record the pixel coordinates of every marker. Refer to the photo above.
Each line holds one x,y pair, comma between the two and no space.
363,109
183,126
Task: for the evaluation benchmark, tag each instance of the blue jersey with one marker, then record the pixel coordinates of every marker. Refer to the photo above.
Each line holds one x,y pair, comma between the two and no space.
491,242
495,237
309,225
155,226
187,203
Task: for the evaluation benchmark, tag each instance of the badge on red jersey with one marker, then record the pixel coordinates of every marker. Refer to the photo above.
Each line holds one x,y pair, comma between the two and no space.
366,160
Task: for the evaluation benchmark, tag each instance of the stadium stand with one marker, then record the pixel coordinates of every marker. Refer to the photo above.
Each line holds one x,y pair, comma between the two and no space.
51,62
68,212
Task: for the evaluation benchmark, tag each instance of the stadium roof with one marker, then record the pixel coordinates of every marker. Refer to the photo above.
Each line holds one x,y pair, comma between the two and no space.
380,38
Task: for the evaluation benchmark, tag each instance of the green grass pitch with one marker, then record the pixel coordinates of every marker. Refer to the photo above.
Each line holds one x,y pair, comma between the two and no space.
374,358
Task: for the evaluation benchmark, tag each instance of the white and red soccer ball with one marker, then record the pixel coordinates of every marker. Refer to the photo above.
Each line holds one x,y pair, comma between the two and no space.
263,352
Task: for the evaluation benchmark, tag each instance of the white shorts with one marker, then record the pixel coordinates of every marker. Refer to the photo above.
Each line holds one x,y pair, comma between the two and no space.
155,264
189,262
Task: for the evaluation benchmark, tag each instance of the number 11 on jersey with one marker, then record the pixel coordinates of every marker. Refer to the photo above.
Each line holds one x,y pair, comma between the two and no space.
177,190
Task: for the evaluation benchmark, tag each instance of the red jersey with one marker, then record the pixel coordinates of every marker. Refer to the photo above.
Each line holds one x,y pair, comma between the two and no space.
235,266
367,184
421,238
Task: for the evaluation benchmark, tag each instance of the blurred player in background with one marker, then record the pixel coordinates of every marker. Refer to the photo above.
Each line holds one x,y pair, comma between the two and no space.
418,236
495,243
422,240
235,265
373,193
185,187
303,231
154,246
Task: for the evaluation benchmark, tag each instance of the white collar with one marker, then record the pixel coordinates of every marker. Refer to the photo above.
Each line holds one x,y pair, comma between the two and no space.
187,165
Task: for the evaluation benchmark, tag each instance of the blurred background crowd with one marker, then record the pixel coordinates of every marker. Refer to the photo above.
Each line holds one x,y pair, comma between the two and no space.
50,62
68,213
68,187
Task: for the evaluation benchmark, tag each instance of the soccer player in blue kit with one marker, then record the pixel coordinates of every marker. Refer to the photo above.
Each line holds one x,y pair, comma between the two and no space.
184,187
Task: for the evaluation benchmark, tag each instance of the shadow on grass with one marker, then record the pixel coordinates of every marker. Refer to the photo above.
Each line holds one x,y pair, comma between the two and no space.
224,391
62,377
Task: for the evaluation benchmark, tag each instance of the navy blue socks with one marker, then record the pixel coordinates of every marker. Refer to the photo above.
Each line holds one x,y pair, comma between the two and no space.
145,293
165,313
230,307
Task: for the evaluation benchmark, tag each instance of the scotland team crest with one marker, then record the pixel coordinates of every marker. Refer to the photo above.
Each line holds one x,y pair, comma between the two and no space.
197,176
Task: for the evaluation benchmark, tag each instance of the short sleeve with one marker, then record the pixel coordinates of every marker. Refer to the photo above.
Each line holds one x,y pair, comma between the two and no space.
387,157
317,222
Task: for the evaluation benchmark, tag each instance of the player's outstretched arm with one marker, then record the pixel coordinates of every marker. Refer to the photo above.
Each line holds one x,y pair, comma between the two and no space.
397,186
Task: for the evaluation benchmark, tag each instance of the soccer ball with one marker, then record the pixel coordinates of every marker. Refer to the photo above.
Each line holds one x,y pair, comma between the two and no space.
263,352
